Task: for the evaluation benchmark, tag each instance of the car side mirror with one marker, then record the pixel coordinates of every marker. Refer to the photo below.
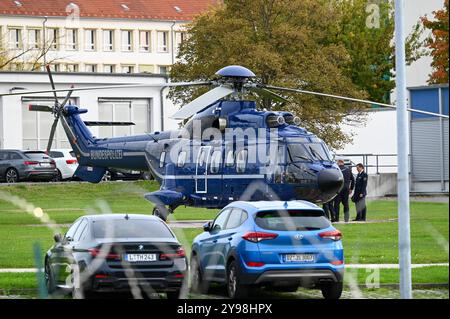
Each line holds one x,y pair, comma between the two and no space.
57,238
207,226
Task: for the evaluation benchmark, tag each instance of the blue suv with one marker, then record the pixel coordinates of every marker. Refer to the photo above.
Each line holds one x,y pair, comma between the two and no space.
282,245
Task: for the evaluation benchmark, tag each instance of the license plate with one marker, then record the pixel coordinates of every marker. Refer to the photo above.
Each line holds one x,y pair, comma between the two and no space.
304,258
140,257
45,164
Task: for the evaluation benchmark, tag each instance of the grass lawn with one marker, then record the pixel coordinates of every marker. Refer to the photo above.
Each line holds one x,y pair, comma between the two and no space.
364,243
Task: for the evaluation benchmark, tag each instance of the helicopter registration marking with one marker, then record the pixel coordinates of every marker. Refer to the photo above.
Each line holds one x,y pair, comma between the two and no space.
106,154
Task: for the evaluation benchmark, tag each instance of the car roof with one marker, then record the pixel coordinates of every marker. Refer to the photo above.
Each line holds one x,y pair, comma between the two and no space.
269,205
120,216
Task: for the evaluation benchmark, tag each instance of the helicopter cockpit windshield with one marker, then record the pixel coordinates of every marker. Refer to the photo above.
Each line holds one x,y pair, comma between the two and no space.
301,149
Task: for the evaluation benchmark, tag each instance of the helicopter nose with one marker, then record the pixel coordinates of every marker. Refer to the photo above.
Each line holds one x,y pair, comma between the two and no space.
330,180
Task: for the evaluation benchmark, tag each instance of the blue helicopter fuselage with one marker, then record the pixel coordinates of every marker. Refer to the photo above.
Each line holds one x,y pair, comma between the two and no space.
230,151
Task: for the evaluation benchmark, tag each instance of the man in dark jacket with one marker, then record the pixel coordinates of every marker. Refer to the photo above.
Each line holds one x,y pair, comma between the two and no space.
342,197
359,196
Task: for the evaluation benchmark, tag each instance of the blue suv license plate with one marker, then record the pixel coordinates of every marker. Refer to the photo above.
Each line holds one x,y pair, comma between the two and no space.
302,258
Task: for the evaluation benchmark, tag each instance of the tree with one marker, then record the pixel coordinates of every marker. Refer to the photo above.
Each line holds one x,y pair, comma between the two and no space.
438,44
285,43
366,29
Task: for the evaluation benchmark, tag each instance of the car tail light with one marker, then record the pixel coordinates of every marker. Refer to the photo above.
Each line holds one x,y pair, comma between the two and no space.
53,163
31,163
180,253
101,276
179,275
332,234
256,237
97,252
337,262
255,263
71,161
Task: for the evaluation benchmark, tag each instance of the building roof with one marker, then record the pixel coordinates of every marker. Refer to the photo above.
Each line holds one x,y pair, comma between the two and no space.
178,10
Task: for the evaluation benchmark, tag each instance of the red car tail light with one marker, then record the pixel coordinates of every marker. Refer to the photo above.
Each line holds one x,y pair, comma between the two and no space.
71,161
332,234
95,252
180,253
337,262
31,163
256,237
255,264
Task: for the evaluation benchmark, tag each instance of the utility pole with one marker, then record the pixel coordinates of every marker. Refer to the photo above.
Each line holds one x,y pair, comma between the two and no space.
404,240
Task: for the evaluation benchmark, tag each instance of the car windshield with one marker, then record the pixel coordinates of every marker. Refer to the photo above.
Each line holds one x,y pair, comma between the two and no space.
130,228
292,220
37,155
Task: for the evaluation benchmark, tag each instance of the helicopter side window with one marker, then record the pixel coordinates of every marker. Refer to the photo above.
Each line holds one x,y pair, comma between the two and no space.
241,161
216,159
229,161
162,159
181,159
201,158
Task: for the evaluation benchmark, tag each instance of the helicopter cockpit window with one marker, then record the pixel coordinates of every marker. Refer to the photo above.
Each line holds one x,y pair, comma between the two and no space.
181,159
201,158
162,159
216,159
297,152
229,161
241,161
318,151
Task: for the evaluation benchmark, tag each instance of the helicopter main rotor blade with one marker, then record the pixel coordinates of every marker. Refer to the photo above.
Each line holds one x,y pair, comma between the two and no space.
269,94
49,72
202,102
348,99
109,87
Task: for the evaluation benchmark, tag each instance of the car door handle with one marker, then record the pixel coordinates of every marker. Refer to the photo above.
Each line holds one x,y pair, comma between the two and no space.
230,238
215,241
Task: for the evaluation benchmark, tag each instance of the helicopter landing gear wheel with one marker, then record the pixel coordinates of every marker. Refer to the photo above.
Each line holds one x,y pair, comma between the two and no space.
161,212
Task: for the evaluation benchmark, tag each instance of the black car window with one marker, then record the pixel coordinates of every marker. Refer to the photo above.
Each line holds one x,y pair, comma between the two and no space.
3,156
14,156
72,153
71,232
292,220
55,154
235,218
219,222
130,228
79,231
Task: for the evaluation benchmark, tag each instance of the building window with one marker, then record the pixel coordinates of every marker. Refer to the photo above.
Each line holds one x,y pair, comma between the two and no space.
71,67
15,38
72,39
108,40
163,69
180,37
89,40
127,68
52,38
34,39
127,40
55,67
108,68
146,68
144,41
90,68
163,41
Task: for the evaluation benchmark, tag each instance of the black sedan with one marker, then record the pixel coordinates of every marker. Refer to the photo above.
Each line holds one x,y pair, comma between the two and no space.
116,252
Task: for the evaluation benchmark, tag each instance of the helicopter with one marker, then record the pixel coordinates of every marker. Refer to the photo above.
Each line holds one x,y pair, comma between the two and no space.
226,146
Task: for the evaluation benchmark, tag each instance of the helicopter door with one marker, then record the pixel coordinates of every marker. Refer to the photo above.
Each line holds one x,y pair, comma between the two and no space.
201,169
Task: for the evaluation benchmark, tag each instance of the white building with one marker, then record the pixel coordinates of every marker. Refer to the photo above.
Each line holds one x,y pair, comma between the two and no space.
111,36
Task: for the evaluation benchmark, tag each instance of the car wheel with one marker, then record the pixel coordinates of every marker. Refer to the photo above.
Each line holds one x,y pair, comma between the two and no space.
234,289
58,177
11,175
332,291
173,294
107,177
161,212
198,285
49,280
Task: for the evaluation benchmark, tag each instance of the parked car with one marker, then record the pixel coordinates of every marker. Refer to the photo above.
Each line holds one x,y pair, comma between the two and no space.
281,245
111,252
66,163
16,165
